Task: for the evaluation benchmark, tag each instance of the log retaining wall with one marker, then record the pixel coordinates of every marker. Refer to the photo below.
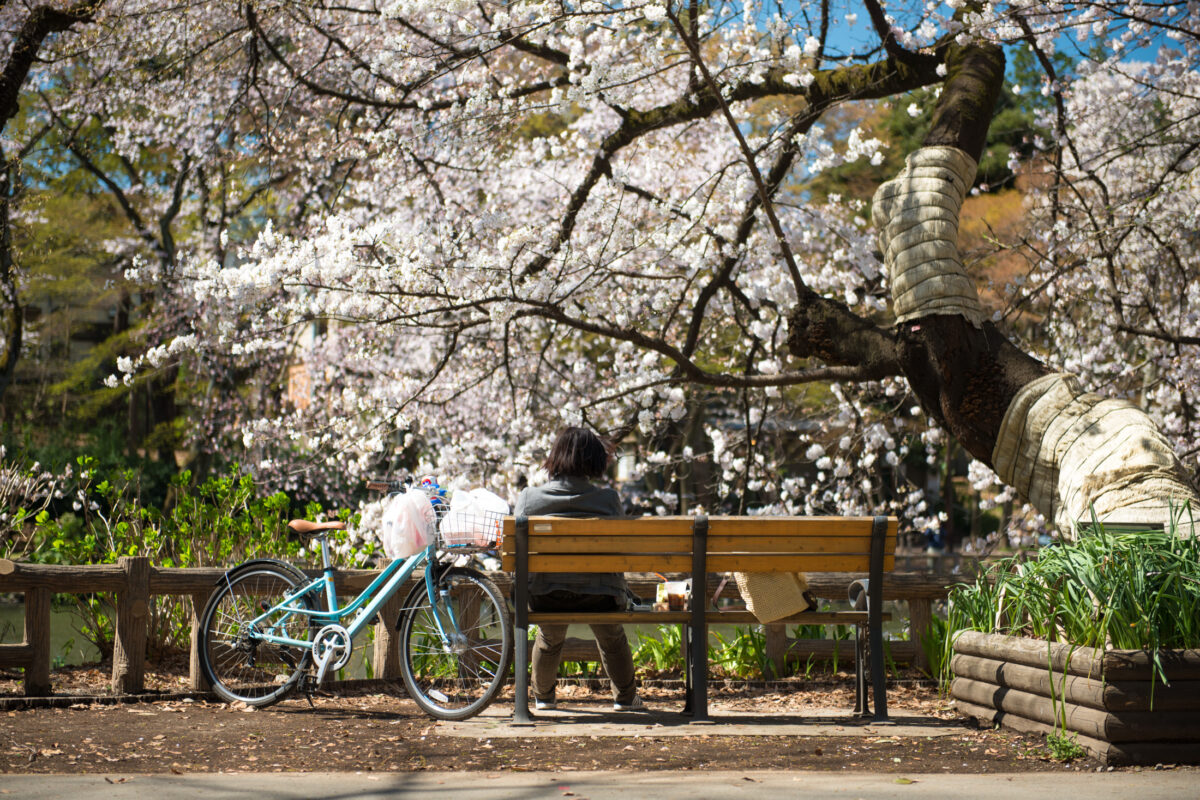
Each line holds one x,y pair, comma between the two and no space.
1108,699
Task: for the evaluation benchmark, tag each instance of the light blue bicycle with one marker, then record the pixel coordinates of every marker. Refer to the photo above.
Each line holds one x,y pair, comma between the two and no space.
269,630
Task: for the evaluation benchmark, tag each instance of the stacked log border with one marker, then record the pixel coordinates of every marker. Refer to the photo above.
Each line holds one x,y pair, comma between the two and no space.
1109,699
134,581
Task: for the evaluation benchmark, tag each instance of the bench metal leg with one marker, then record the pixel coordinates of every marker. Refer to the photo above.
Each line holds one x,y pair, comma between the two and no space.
685,639
875,617
860,672
698,630
521,715
878,676
696,664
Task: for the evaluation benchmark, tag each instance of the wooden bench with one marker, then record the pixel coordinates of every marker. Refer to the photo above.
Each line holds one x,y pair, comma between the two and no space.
699,545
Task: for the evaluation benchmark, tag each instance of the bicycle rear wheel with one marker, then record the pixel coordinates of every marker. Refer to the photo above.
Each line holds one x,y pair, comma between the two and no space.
455,676
239,665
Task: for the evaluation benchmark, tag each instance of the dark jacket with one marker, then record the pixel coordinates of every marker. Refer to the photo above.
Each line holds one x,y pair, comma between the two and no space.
572,497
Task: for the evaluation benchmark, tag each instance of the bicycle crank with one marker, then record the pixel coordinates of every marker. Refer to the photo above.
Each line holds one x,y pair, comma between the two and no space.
331,650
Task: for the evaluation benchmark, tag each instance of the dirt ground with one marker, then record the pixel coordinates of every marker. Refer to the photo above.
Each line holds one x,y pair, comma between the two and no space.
382,730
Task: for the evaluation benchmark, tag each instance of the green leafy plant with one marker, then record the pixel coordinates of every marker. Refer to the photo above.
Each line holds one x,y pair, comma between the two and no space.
742,655
936,647
26,491
583,669
808,667
1136,591
661,650
1064,748
836,633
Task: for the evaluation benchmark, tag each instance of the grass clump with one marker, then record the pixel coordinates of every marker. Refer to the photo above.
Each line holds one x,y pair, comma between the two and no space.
1064,748
661,651
1129,591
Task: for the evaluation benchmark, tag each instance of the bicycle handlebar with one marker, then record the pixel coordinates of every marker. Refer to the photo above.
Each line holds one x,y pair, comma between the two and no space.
395,485
428,484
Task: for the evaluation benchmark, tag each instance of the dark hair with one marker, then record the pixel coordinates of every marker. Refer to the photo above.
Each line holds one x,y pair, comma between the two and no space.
577,453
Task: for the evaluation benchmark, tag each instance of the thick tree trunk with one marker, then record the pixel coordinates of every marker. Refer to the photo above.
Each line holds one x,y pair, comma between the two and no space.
1069,452
965,375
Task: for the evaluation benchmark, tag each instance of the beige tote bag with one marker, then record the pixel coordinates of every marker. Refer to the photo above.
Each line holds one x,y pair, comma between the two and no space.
773,595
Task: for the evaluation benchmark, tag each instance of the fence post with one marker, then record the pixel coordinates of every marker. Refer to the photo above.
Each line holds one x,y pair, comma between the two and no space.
37,636
133,613
196,680
386,656
776,647
920,616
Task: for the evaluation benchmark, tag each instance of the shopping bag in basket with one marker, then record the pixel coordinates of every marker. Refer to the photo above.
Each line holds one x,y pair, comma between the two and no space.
474,519
408,522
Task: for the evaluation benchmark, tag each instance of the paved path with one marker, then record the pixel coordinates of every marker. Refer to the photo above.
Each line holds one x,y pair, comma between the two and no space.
591,719
1145,785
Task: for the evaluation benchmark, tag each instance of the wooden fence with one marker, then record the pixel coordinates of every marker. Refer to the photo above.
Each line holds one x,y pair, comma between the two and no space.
134,581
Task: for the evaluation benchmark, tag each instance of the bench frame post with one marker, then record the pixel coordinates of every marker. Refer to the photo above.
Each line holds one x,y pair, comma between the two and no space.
875,616
696,661
521,715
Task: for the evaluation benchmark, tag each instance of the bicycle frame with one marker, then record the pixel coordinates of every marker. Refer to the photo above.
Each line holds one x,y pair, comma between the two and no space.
364,606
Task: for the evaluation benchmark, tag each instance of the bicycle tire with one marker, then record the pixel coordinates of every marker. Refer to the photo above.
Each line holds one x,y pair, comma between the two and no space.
456,680
237,667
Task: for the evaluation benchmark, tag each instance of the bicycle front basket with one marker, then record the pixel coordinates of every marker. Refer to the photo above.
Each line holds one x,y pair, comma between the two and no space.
473,529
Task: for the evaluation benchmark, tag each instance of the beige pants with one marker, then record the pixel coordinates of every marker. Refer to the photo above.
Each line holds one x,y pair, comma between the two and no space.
547,649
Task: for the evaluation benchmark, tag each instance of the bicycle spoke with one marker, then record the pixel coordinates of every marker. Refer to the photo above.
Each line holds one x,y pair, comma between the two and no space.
456,677
239,664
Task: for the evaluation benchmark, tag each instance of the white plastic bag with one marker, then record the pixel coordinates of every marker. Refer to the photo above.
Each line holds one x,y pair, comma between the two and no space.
474,519
408,524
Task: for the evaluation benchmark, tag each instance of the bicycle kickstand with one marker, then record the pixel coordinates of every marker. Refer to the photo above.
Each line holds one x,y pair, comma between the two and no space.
308,685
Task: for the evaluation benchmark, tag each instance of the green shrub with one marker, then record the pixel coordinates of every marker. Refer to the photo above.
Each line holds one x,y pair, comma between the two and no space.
219,522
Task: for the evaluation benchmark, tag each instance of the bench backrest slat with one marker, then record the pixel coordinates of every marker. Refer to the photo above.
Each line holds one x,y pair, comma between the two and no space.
664,544
683,544
729,562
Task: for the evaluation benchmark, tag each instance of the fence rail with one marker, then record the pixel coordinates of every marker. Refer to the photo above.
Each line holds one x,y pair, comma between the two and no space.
135,581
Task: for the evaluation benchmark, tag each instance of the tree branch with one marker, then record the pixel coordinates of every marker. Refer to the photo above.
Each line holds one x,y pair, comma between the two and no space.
802,291
687,368
1160,335
41,22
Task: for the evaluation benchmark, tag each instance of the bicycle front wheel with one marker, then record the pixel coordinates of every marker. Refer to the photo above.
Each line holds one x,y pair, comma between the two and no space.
237,662
454,669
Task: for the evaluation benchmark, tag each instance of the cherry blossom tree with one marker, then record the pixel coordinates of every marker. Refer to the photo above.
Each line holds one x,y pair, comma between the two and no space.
550,213
24,30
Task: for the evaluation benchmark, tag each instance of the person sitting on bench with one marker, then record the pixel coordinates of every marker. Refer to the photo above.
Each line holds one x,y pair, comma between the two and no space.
577,456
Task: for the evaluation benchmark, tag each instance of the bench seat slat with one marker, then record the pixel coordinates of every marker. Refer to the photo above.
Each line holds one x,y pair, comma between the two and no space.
570,526
683,617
